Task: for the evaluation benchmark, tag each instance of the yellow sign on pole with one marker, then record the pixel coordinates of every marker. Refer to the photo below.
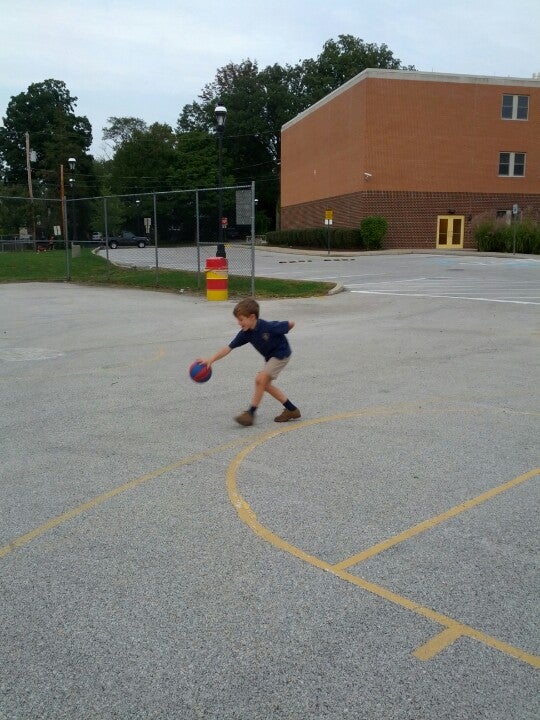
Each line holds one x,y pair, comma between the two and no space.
328,214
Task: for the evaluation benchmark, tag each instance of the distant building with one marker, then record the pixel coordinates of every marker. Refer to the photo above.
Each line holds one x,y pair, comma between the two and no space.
429,152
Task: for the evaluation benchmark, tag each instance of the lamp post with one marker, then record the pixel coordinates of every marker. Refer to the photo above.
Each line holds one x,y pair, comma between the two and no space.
72,162
221,114
64,221
138,204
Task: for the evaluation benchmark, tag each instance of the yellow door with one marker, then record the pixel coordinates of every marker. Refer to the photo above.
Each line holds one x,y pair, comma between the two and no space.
450,231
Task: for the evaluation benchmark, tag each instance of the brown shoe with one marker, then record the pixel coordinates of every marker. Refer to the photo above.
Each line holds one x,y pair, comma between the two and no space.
288,415
245,418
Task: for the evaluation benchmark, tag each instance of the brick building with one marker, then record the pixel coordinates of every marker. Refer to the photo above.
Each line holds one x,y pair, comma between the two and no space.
429,152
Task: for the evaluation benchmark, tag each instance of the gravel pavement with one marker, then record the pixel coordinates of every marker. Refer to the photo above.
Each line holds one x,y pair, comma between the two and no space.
377,559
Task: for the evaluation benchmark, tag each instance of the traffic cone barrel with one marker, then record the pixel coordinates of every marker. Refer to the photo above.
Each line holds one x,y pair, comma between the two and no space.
217,278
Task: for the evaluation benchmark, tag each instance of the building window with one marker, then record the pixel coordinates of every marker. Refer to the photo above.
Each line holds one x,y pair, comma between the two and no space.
505,215
515,107
512,164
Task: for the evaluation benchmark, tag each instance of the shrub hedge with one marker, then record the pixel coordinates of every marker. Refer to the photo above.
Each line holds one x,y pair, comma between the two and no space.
372,230
367,237
495,237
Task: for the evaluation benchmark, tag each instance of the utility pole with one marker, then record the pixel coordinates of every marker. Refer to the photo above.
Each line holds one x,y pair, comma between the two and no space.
28,166
30,189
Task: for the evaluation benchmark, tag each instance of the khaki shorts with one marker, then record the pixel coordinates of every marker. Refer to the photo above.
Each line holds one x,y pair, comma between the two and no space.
274,366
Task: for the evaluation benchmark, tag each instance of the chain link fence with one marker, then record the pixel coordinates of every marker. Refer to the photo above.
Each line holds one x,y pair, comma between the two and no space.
161,231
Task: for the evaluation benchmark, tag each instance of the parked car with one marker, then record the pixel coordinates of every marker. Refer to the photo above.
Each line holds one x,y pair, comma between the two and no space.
97,237
127,238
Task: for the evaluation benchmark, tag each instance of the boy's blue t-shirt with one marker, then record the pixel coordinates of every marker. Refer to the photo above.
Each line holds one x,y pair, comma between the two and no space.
268,337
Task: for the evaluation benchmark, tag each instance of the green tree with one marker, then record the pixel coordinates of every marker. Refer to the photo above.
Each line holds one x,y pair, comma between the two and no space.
46,112
147,161
144,161
114,206
14,214
260,102
340,61
121,129
257,105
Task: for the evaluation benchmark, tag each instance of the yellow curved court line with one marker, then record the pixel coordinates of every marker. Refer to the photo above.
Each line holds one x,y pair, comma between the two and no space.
453,628
100,499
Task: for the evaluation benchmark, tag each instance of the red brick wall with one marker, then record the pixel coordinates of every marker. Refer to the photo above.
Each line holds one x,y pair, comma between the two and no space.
429,142
411,216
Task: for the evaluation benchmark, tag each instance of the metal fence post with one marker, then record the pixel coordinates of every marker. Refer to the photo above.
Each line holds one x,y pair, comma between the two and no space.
197,239
106,229
253,238
156,238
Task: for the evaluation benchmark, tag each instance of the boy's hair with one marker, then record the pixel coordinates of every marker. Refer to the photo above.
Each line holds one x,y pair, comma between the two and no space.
246,307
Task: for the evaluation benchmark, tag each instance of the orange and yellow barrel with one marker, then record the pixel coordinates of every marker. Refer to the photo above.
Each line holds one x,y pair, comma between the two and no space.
217,278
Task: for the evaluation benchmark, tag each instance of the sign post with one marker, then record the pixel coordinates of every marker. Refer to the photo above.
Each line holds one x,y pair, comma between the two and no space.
515,211
328,219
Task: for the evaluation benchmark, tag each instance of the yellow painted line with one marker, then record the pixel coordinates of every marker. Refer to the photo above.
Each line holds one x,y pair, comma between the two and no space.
104,497
432,522
453,628
438,643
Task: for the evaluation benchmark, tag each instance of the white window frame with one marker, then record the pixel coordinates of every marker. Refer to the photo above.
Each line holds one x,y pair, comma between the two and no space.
515,103
511,163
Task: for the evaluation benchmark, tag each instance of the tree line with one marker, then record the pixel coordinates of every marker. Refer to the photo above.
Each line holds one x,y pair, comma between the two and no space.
157,157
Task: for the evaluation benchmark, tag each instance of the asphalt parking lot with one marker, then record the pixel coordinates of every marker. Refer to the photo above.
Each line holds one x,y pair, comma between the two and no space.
375,559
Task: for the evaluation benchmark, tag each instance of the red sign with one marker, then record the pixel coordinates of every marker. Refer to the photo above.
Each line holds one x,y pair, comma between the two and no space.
224,222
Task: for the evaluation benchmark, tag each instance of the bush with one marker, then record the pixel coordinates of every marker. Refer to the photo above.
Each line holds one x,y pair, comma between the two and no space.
484,234
495,237
528,237
373,229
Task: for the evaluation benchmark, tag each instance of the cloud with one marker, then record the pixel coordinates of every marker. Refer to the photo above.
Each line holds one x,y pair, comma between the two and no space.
149,59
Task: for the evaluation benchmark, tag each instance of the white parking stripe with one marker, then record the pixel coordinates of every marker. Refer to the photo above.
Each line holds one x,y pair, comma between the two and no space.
446,297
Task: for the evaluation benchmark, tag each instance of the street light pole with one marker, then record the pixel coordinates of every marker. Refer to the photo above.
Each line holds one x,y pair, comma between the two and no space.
65,232
72,193
221,114
72,162
138,205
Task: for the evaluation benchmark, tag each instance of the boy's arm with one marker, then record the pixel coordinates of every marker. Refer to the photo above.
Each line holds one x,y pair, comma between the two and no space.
217,356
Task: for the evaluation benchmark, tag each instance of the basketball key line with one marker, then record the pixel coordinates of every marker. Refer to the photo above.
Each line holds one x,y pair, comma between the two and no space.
453,629
109,494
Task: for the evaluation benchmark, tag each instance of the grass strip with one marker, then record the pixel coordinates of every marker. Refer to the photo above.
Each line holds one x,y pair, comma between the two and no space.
27,266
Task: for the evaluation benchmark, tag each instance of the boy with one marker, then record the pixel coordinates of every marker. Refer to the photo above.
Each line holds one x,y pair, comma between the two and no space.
269,339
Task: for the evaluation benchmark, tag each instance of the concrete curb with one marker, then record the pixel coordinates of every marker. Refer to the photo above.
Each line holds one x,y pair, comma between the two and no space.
423,251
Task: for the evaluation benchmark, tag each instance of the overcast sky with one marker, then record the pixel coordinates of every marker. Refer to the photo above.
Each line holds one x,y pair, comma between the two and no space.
149,58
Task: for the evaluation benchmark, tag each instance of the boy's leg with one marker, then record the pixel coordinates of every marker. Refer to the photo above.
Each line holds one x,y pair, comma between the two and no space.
275,392
262,381
290,411
273,367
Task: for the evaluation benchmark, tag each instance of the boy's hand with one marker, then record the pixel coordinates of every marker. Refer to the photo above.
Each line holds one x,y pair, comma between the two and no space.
204,362
291,324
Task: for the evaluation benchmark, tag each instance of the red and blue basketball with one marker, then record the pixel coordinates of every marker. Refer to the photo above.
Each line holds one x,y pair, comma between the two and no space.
199,372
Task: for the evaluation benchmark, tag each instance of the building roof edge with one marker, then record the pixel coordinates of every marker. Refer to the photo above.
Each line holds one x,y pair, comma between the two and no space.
414,75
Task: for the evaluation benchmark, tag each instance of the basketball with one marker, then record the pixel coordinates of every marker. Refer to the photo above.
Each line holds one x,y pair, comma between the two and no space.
200,373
